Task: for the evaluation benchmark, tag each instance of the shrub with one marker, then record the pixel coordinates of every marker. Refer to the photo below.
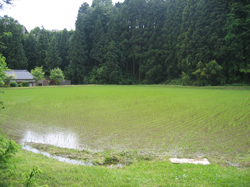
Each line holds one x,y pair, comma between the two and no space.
129,81
86,80
19,85
8,148
209,73
25,84
92,79
185,79
144,82
174,82
13,84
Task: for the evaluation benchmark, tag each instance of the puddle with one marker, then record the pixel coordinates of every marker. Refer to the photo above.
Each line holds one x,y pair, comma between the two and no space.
56,138
61,159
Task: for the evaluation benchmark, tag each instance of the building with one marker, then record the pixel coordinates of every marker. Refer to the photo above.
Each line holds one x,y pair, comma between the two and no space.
21,76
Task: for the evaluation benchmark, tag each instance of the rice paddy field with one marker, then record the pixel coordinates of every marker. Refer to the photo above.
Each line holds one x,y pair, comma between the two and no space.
212,122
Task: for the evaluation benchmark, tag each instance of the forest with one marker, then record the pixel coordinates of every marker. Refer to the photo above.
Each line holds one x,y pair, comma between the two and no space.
192,42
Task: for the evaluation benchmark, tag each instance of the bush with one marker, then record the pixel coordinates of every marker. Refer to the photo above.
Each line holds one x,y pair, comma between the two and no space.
174,82
25,84
13,84
19,85
185,79
8,148
130,82
144,82
86,80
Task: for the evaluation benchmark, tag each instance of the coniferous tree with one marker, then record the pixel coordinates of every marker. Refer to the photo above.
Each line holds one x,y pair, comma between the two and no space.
152,57
137,13
52,59
113,56
41,49
185,39
170,32
237,41
158,40
30,51
97,52
125,35
78,54
63,47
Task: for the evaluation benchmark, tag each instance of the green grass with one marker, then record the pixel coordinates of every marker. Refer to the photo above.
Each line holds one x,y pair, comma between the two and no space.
140,174
176,121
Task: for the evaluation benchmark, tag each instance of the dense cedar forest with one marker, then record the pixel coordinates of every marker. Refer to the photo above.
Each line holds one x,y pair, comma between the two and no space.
193,42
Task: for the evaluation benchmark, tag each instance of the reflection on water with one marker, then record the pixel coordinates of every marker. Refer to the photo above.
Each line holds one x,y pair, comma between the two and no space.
61,159
60,139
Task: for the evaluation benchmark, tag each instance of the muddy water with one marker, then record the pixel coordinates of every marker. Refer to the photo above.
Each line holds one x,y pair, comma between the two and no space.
58,138
61,159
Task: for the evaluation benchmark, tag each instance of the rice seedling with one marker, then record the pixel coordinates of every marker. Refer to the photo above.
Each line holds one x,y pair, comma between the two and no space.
179,120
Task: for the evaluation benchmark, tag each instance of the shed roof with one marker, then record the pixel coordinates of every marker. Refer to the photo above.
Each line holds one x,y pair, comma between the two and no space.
20,74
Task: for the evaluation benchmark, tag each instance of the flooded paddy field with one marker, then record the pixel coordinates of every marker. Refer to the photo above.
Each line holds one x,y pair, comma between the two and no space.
181,121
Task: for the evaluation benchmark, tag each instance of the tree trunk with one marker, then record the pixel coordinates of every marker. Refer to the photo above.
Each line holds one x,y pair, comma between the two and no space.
127,64
134,65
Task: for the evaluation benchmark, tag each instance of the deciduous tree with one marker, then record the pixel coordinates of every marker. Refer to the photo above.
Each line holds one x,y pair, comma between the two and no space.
38,74
56,75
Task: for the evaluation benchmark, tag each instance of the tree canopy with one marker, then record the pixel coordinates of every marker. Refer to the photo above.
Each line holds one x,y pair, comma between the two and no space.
38,74
56,75
4,3
140,41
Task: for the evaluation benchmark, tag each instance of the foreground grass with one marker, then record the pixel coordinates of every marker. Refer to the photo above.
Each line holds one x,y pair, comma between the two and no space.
139,174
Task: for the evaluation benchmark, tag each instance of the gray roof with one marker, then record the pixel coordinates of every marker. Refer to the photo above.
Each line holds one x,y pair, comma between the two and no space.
20,74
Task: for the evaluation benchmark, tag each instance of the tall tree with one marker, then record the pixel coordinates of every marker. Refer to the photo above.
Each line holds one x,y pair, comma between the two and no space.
113,57
30,51
237,41
97,52
63,47
52,59
14,52
153,63
185,39
41,48
78,54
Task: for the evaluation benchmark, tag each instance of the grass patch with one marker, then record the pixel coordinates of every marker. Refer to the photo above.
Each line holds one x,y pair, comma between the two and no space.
145,173
103,158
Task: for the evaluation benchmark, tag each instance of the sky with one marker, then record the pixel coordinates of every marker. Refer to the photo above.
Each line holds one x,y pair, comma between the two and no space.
52,14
